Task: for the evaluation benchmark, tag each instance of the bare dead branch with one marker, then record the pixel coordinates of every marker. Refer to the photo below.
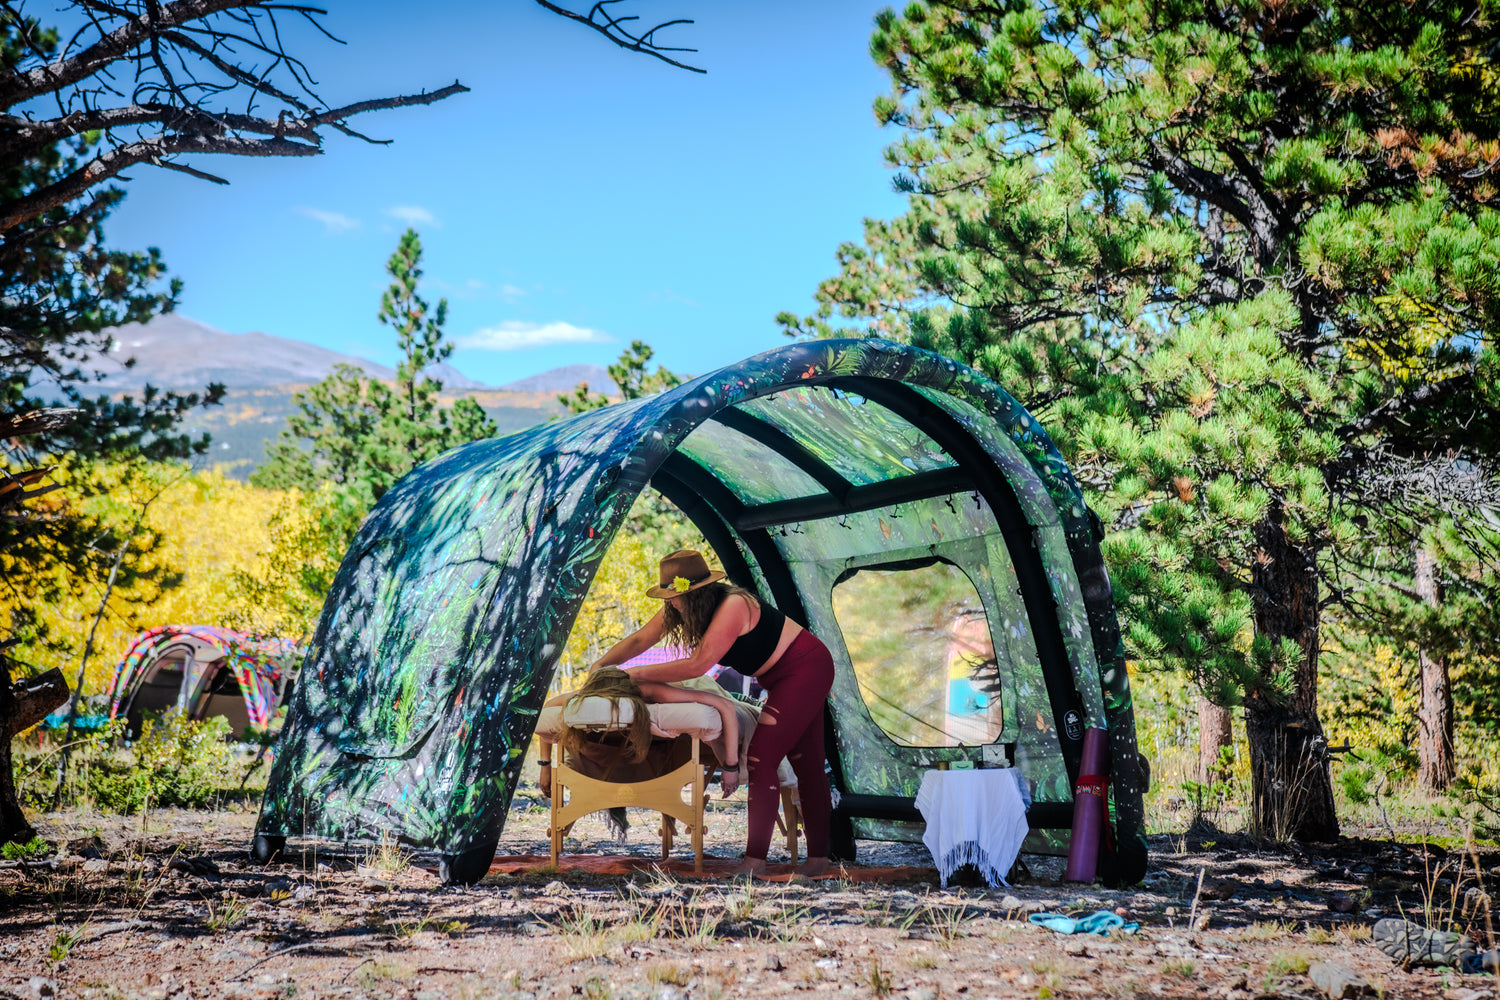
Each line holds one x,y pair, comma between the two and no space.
109,164
335,116
134,32
147,75
37,422
158,149
183,168
1416,486
613,28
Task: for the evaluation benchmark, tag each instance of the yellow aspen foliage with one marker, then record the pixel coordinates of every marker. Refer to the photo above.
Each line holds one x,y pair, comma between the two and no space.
1372,696
190,536
281,593
616,606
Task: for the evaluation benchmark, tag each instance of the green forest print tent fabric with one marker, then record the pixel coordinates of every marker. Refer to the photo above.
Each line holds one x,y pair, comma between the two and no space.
802,466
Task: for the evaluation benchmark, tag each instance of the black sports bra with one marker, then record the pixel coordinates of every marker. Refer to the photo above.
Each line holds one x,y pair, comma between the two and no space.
751,650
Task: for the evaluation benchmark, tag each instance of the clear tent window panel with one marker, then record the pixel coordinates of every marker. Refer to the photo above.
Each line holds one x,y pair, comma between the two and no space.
754,472
860,440
920,644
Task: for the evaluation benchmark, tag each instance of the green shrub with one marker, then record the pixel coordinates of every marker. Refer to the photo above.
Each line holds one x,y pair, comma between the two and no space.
1474,804
33,850
174,762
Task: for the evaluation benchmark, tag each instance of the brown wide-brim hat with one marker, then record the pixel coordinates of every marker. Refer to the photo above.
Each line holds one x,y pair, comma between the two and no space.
682,571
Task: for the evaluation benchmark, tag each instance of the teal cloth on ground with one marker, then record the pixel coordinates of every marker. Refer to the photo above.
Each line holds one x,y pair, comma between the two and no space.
1100,922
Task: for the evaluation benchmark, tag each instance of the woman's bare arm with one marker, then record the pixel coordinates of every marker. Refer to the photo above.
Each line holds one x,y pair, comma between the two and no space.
632,645
731,619
729,720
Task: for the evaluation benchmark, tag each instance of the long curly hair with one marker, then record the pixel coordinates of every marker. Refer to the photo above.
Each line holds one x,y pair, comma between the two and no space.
686,619
616,685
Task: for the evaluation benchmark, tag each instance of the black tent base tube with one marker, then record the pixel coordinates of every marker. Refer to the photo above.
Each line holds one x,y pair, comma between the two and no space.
468,867
265,847
1041,816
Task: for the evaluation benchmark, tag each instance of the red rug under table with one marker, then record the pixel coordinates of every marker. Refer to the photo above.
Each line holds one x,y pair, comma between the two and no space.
614,864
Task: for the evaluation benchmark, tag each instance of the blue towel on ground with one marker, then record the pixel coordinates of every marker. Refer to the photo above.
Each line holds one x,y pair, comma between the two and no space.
1099,922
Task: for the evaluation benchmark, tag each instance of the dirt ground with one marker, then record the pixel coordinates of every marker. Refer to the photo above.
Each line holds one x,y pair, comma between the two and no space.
169,906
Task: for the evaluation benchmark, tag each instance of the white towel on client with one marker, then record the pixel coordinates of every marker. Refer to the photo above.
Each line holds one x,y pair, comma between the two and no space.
973,818
667,720
675,719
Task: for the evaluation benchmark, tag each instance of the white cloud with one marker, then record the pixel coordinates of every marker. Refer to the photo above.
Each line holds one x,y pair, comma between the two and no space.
514,335
511,292
333,222
412,215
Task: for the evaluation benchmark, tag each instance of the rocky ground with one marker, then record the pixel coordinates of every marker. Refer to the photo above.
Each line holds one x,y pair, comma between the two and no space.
168,906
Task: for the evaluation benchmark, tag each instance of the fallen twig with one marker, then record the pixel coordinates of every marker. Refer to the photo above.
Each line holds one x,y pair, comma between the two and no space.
275,954
352,971
1193,913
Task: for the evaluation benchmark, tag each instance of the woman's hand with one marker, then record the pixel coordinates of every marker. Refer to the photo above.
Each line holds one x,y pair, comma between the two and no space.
730,777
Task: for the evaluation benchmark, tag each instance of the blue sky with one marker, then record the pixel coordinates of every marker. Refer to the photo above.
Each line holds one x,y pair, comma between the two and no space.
579,197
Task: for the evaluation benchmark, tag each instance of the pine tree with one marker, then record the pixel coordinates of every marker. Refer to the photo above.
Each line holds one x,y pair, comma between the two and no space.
61,290
1241,261
412,424
352,437
630,375
361,434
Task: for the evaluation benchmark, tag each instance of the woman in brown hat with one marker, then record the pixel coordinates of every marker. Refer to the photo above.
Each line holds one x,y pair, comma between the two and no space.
719,623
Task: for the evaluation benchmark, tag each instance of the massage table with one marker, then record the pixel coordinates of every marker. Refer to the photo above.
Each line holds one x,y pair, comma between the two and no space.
600,777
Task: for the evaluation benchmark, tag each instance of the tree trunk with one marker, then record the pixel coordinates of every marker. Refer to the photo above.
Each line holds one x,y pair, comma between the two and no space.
33,700
1214,734
1435,766
1291,794
21,706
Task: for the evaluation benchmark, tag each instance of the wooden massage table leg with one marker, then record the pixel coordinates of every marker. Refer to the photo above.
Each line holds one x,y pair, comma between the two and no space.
789,821
700,797
553,828
664,795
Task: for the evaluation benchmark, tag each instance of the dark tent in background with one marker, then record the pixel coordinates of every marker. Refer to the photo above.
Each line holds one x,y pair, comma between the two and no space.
905,508
204,671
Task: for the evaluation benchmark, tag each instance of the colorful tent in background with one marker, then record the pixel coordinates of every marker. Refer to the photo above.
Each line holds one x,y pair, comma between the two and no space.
205,671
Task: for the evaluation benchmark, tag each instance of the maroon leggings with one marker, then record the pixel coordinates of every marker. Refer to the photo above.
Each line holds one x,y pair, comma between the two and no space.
791,726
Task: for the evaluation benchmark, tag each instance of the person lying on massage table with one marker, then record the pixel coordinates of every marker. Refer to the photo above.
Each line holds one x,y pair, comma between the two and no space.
617,685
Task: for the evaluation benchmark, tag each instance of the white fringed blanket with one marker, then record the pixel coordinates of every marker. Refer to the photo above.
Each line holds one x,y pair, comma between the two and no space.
973,818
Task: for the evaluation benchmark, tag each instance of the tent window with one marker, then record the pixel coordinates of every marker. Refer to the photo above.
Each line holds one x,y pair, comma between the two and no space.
920,644
860,440
754,472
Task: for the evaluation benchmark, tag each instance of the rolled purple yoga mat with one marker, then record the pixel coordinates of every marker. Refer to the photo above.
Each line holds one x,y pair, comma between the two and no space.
1089,807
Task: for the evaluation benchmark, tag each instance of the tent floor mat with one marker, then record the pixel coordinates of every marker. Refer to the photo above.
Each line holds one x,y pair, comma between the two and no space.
713,868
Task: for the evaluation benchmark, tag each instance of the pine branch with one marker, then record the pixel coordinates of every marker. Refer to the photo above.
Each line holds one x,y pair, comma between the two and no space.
1397,408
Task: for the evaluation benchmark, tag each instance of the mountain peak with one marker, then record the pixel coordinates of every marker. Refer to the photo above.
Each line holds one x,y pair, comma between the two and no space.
175,352
565,379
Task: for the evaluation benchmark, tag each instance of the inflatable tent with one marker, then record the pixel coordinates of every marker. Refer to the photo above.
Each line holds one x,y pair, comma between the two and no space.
827,476
204,671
